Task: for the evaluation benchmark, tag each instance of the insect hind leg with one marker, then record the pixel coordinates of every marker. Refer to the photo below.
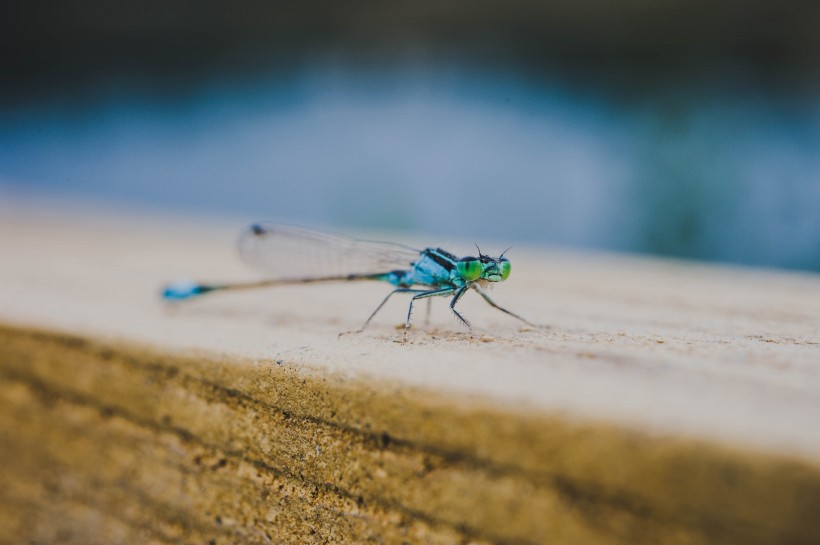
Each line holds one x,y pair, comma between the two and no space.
378,308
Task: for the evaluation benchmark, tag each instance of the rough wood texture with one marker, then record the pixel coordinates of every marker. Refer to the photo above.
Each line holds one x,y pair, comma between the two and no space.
666,403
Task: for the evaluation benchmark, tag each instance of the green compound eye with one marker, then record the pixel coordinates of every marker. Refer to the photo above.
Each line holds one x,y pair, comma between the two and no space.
504,265
469,268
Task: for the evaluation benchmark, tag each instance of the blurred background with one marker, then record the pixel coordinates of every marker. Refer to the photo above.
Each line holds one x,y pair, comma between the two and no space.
672,127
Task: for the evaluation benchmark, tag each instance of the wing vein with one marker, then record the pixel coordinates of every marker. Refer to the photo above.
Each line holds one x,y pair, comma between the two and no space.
289,252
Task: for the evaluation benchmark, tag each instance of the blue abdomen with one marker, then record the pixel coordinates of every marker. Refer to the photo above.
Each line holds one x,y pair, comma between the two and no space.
183,290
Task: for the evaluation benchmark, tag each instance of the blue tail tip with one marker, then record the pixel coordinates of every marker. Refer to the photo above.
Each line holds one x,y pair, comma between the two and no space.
182,289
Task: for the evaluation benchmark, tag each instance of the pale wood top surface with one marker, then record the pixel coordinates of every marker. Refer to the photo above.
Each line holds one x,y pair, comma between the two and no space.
673,348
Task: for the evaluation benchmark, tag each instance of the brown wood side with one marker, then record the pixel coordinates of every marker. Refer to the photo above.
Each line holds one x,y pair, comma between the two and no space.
112,443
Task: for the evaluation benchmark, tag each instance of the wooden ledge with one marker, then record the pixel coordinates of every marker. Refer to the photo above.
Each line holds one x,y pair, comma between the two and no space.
668,403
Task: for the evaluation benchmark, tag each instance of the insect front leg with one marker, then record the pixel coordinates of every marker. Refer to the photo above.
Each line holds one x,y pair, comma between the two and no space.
492,303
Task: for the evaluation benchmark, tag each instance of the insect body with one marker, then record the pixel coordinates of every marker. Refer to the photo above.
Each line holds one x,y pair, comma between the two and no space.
293,255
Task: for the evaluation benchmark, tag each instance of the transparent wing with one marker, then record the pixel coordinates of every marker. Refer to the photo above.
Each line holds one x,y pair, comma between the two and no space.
286,252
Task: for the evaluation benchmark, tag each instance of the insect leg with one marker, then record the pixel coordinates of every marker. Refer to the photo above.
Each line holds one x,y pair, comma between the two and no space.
378,308
492,303
423,295
453,302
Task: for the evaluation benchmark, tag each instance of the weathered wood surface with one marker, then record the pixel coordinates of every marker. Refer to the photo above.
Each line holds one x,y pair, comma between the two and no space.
665,401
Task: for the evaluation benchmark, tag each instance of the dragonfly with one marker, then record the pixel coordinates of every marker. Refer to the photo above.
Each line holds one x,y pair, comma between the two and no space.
291,255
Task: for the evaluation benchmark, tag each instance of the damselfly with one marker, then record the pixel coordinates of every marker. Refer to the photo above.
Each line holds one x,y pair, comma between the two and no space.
295,255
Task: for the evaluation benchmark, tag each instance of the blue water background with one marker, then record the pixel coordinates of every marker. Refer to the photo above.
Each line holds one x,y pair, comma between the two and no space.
706,171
